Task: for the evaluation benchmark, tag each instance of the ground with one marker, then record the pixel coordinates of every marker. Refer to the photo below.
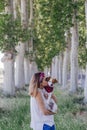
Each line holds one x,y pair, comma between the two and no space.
15,111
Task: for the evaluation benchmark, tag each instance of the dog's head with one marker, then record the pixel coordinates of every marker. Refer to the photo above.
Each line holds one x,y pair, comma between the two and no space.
51,81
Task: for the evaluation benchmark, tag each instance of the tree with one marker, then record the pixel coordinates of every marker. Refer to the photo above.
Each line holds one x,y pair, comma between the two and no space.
20,48
66,59
85,89
8,58
74,51
11,32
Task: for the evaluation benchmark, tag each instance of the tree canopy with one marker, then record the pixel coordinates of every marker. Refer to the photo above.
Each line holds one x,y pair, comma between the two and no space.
51,20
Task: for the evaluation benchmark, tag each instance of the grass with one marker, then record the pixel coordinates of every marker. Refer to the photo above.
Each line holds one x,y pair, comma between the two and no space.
71,112
15,113
16,119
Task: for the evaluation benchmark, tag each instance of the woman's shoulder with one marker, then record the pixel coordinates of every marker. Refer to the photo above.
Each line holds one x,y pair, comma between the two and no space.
39,92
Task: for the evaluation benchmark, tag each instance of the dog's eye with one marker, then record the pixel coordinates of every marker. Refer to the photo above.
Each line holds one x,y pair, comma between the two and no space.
46,79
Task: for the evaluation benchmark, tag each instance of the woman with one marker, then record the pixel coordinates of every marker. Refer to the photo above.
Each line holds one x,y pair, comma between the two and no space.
41,118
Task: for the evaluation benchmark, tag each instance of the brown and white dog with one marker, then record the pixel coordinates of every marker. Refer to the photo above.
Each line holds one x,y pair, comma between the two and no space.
48,90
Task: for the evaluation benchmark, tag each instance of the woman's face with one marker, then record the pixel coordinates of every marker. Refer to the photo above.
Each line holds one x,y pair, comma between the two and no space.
44,83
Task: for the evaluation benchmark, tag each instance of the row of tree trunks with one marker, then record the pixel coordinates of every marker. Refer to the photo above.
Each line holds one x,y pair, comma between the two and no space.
23,67
74,57
59,67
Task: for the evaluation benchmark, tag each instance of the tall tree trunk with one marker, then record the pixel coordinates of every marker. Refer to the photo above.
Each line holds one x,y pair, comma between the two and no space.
60,68
85,88
65,68
66,60
53,67
14,9
32,62
26,58
8,61
9,83
56,67
15,16
46,71
26,70
19,70
74,54
33,69
20,78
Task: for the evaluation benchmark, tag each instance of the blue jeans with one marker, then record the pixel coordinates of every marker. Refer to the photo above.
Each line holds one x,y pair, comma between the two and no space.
47,127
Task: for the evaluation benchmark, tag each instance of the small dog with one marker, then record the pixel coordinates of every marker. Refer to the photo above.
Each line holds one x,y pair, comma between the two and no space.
48,90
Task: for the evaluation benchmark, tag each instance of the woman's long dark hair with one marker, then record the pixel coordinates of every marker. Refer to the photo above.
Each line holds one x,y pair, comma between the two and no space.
35,83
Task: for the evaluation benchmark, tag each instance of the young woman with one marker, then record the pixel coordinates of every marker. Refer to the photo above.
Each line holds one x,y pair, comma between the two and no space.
41,118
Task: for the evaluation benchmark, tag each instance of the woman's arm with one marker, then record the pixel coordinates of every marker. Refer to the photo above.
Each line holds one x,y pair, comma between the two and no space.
42,105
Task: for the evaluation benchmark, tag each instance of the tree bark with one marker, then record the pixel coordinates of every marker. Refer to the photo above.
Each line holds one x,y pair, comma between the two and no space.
26,70
65,68
19,70
20,78
53,67
66,60
31,49
8,61
60,69
56,67
85,88
33,69
9,83
74,54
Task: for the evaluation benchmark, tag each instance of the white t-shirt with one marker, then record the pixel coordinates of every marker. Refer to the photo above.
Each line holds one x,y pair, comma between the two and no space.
38,119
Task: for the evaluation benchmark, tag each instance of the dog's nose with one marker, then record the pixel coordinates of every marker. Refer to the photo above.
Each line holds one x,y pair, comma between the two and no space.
51,85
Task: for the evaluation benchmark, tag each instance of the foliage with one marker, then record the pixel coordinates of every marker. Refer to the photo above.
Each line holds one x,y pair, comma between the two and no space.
11,32
82,55
47,38
2,5
51,20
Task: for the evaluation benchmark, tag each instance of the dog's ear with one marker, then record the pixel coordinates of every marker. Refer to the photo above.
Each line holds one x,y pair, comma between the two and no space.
47,78
54,81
